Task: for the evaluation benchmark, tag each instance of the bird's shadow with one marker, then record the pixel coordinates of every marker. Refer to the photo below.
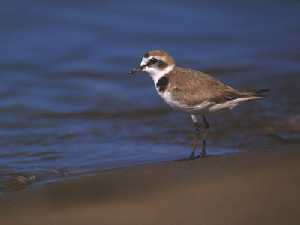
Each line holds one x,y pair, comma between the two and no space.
195,158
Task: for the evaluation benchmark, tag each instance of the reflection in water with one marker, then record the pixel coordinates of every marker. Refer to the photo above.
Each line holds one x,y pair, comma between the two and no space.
68,106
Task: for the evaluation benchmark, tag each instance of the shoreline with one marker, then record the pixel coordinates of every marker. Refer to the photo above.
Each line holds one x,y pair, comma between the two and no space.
247,188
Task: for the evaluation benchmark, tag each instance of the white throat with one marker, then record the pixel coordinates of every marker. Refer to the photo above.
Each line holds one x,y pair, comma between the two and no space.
156,74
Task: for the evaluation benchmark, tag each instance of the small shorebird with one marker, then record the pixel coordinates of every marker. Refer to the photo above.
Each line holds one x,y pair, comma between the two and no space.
191,91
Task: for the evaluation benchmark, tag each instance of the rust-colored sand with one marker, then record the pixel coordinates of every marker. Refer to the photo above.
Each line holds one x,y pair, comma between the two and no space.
256,188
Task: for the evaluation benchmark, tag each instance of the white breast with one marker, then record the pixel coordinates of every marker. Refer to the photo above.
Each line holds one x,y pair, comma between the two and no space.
167,97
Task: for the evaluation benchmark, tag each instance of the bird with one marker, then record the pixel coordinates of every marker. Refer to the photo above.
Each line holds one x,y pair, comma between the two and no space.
194,92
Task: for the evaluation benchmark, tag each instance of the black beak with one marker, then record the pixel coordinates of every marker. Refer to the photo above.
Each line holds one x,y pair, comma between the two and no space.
137,69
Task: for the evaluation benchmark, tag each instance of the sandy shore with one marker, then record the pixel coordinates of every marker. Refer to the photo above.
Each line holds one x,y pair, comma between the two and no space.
249,188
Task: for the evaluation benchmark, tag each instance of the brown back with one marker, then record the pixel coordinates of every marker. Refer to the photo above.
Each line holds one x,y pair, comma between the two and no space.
194,87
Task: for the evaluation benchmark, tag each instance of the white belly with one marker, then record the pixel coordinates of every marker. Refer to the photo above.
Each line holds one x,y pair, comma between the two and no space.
167,97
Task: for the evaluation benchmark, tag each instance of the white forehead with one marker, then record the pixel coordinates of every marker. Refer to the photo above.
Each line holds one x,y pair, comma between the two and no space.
144,61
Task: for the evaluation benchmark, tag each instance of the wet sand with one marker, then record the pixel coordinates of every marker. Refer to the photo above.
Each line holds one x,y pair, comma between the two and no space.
249,188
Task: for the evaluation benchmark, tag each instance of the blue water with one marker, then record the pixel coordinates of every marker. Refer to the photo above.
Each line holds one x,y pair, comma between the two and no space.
68,106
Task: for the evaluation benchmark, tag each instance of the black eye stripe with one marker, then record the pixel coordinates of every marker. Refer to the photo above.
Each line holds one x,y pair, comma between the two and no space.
146,55
157,62
154,60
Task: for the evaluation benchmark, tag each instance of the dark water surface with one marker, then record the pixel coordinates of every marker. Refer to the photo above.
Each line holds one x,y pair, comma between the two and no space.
68,106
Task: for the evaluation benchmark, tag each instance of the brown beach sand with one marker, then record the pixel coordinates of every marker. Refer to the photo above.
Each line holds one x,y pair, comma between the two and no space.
249,188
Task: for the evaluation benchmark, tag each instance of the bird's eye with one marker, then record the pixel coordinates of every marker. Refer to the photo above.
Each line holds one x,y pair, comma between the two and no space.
153,60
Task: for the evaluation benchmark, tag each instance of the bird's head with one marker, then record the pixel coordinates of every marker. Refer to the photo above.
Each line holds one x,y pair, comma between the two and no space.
156,63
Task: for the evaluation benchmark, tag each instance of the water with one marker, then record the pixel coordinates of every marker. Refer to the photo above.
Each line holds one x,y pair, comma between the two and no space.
69,108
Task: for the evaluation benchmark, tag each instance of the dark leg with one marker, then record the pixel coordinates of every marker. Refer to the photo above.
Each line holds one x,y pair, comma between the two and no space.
204,135
196,140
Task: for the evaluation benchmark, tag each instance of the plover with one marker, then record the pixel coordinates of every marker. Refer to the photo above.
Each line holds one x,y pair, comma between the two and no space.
192,91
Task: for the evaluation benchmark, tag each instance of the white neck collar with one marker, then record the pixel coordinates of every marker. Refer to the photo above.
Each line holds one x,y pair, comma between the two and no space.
157,74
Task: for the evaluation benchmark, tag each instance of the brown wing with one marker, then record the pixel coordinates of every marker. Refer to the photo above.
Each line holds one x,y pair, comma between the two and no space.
194,87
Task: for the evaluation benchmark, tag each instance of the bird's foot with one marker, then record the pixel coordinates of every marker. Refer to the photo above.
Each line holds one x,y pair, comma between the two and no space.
192,156
203,154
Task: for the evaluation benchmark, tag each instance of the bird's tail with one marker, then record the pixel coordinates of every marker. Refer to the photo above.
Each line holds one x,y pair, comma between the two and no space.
255,94
261,93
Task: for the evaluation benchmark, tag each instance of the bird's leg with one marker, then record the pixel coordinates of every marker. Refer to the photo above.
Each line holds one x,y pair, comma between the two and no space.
196,140
204,135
